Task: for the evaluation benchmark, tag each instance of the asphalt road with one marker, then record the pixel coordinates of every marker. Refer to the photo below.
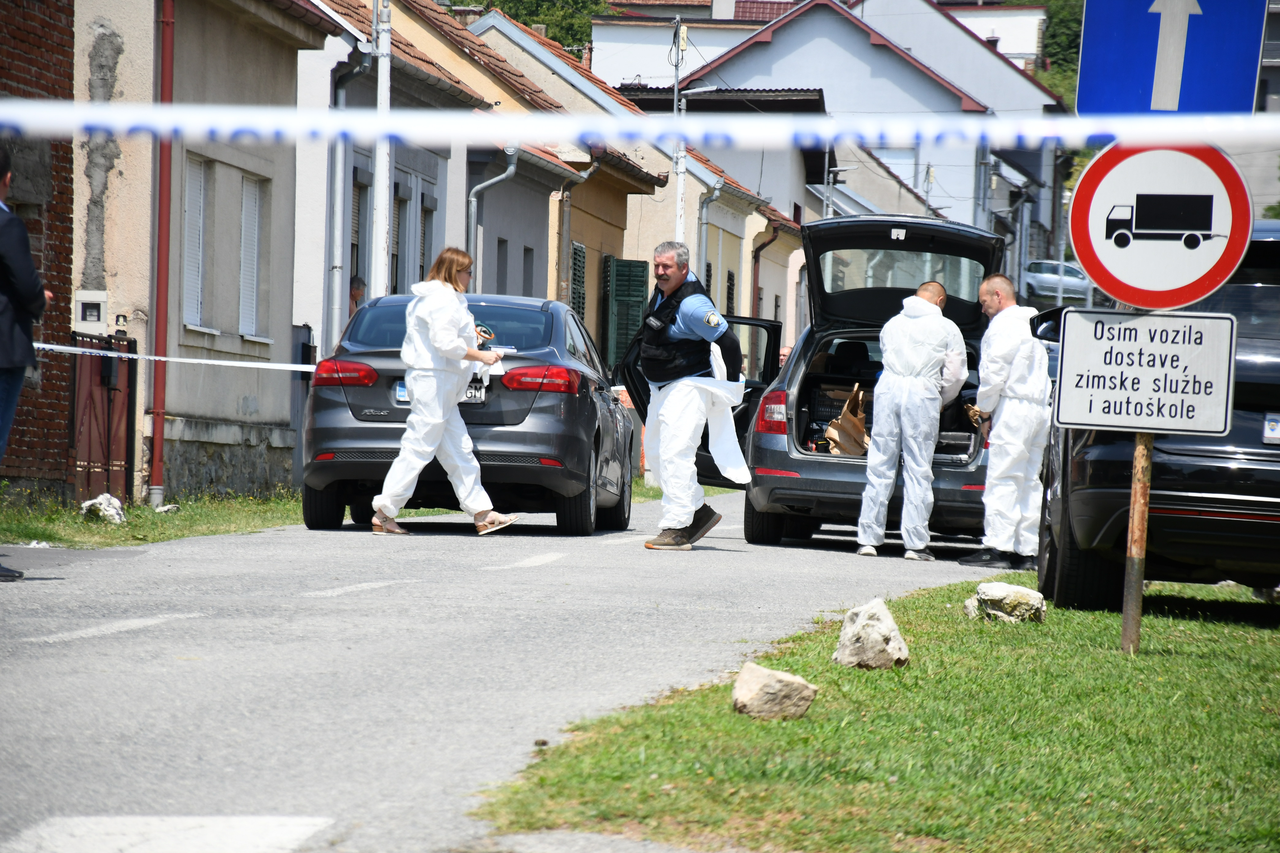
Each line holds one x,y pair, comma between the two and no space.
295,690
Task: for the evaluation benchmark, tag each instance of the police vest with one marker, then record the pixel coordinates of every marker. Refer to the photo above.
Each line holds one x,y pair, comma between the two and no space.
665,360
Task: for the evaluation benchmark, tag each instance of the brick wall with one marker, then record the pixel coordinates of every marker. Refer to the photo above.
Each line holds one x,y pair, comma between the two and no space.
37,53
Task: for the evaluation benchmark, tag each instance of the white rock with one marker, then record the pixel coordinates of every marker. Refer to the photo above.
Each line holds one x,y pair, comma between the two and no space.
168,508
870,639
1003,602
769,694
104,506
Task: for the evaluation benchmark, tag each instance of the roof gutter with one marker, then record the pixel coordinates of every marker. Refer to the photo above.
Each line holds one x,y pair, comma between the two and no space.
564,288
755,269
473,199
702,231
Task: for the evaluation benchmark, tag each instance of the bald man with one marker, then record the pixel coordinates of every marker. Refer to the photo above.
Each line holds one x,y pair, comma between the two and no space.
924,368
1013,394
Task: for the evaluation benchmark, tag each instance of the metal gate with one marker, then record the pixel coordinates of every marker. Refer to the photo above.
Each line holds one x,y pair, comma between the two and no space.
103,419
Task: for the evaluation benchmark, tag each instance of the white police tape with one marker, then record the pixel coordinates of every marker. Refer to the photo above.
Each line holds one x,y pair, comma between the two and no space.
277,125
107,353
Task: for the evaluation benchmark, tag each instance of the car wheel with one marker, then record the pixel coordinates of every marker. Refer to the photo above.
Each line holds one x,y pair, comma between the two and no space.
760,528
322,509
798,528
1085,580
618,516
362,511
1047,555
576,516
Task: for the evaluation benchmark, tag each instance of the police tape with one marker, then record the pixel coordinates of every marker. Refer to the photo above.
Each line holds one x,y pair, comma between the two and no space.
280,125
108,353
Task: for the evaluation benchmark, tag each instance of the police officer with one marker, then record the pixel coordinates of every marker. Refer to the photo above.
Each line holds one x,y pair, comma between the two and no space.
690,386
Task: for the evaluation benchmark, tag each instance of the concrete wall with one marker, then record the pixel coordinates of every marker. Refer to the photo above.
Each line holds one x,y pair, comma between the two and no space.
1019,30
777,175
517,211
629,53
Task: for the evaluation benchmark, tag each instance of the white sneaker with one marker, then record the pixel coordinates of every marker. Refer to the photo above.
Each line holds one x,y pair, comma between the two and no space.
867,551
923,555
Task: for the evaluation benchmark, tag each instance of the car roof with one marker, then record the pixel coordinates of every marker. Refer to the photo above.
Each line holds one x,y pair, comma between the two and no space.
482,299
1266,230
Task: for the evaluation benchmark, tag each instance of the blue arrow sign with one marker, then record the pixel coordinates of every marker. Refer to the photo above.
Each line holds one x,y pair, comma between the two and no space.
1187,56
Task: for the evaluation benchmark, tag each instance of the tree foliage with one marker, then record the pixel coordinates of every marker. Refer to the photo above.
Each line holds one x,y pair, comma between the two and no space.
568,21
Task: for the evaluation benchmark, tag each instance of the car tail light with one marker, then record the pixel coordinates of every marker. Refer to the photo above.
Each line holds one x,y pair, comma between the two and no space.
973,488
777,472
550,463
335,371
543,378
772,415
324,457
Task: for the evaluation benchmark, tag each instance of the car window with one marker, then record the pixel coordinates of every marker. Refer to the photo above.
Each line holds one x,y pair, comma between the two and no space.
587,350
1256,308
1072,272
573,337
382,326
855,269
1039,267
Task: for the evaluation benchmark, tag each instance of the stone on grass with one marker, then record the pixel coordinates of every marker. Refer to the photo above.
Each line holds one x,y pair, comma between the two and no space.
870,639
1003,602
104,506
769,694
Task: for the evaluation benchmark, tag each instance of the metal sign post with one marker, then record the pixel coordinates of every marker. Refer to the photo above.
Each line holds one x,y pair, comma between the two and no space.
1135,560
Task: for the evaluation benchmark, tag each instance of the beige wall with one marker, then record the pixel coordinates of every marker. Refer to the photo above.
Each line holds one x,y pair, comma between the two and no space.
118,36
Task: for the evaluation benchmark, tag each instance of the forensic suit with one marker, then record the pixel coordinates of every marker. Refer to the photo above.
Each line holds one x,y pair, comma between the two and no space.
1014,387
924,368
438,332
687,392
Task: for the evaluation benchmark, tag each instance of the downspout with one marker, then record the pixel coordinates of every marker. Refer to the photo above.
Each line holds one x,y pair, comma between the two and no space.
702,232
336,267
160,327
564,287
755,269
473,202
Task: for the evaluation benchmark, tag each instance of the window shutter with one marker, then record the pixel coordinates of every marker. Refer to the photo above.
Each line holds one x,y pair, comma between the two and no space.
731,293
193,244
395,227
249,257
424,249
628,299
578,285
355,214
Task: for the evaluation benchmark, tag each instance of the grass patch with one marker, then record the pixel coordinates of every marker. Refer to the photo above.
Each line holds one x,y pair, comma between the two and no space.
209,516
640,493
995,738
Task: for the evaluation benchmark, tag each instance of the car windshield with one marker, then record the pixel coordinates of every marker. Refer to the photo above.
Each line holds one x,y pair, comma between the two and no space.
382,326
855,269
1256,307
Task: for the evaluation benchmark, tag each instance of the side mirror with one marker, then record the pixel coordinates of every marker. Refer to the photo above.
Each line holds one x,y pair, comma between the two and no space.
1047,325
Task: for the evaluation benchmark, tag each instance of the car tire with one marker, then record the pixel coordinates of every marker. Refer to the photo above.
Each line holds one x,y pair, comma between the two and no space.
1085,580
576,516
798,528
322,509
760,528
362,511
1047,555
618,516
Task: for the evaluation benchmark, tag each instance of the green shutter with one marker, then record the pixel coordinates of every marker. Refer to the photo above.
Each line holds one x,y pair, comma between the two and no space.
731,293
578,282
628,287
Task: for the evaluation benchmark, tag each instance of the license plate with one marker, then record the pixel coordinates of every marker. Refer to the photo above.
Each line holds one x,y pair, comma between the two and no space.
1271,428
402,394
475,393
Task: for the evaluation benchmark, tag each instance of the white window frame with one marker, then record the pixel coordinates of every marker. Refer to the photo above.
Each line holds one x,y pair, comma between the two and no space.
194,183
250,258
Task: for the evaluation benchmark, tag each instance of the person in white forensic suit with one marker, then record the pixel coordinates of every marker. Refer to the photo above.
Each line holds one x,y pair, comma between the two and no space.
692,366
1013,395
441,353
925,365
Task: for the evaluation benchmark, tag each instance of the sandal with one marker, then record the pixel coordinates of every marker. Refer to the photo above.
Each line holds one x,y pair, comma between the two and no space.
494,521
383,523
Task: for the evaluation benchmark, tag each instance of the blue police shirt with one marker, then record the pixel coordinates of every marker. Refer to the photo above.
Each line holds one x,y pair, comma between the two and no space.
697,318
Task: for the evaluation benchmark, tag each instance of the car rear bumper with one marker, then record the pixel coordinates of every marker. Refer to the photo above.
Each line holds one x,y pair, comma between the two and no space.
830,487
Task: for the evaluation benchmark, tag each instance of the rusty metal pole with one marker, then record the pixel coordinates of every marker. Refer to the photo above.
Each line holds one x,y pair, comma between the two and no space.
1135,563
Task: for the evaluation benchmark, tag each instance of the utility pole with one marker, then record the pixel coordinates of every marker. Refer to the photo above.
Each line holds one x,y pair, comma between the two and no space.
380,229
679,43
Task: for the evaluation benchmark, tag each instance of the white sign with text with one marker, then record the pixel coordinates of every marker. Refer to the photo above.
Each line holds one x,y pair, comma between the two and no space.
1161,373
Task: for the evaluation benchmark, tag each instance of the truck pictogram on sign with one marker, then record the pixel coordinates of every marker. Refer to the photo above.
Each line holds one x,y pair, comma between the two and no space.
1188,218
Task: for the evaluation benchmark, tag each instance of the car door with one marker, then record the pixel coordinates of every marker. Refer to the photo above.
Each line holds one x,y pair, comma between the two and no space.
597,377
761,341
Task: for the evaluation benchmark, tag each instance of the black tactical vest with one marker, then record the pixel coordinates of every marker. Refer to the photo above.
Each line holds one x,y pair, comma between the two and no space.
663,360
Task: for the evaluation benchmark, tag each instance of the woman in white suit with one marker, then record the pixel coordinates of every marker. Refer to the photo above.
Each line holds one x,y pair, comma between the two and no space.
440,349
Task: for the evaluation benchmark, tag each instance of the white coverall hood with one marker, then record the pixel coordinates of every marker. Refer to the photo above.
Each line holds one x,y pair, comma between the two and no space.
438,329
1014,374
925,365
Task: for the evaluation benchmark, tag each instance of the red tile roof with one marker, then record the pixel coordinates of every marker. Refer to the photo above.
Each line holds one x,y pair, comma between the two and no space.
358,15
485,56
308,13
765,34
775,217
762,10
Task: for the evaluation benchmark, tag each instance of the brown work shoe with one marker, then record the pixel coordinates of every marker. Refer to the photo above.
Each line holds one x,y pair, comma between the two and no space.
383,523
671,539
704,519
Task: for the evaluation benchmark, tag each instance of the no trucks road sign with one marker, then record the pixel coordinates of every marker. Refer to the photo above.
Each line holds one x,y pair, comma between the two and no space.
1160,227
1165,373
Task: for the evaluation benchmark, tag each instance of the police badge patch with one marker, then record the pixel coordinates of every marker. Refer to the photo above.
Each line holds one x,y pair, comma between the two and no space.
712,319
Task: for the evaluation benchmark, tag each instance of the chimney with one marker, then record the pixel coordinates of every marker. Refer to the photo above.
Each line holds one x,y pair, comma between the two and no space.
540,29
586,55
466,15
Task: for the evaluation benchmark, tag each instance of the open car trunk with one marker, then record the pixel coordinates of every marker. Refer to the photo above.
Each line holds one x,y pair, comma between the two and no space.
845,361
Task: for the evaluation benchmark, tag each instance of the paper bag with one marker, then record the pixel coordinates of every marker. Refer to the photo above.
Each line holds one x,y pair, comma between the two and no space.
848,433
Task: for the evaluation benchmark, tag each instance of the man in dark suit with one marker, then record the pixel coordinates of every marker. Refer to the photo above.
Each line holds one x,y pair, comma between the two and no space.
22,301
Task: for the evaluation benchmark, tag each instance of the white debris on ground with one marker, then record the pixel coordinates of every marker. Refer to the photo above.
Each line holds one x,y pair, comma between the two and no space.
168,508
870,638
1002,602
105,507
36,543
